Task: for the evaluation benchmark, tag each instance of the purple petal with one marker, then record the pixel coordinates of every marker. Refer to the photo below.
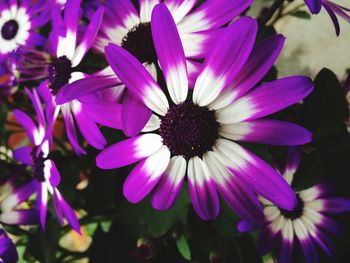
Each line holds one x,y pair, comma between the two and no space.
23,155
265,241
286,250
336,205
85,86
267,99
146,8
26,122
263,179
202,191
293,160
258,64
267,132
70,129
236,193
18,196
307,245
88,127
19,217
213,14
333,17
105,113
55,177
134,115
180,8
88,37
129,151
170,53
170,184
125,12
314,5
243,226
71,19
41,203
194,68
219,71
67,212
325,243
136,78
146,175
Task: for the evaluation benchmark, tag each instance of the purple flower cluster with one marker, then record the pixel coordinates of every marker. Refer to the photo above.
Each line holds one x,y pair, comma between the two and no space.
184,84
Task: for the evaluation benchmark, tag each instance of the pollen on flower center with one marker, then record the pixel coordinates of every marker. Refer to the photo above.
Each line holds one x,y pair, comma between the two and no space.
139,43
296,212
59,73
38,165
189,130
9,29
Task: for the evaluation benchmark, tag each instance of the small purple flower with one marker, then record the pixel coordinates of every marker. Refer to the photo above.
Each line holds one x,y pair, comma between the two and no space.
46,177
309,222
8,252
18,21
11,196
332,9
194,136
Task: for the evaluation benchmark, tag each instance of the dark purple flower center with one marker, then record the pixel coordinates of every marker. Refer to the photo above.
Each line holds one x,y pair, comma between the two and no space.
9,29
189,130
296,212
38,165
60,71
139,43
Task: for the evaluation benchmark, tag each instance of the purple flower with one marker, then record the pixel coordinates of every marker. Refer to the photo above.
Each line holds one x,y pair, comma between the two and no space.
332,9
194,136
61,71
126,27
308,224
8,253
46,177
11,196
18,22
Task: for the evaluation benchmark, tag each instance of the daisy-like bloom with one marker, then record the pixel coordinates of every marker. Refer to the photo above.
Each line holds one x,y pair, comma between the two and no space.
46,177
332,9
12,196
126,27
61,70
8,252
308,224
194,135
18,20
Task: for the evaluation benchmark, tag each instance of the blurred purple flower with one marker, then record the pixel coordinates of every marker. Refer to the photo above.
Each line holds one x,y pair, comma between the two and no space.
7,79
332,9
309,222
46,177
197,134
18,21
8,252
126,27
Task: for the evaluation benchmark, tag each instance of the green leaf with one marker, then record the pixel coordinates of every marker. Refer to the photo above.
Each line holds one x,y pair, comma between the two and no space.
183,247
106,225
302,14
143,220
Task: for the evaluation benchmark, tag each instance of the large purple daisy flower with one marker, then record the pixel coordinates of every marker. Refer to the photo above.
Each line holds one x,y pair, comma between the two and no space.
308,223
11,196
46,177
17,24
8,252
332,9
127,28
195,136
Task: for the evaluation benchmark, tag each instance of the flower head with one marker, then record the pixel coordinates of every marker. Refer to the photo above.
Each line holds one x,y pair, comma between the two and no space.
46,177
308,223
129,28
194,136
332,9
18,22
